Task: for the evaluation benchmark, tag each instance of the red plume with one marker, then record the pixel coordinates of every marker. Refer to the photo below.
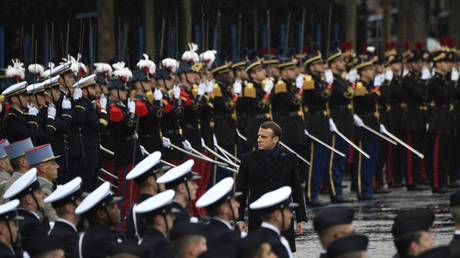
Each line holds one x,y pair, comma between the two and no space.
419,45
305,48
451,42
263,51
387,45
392,44
365,48
443,42
407,46
273,51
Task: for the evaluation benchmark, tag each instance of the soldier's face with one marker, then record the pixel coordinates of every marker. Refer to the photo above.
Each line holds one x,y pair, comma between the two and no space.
123,94
318,68
424,243
69,80
50,168
289,74
5,165
396,68
258,74
266,139
40,197
41,99
193,187
199,247
55,93
340,64
266,251
235,205
442,66
114,213
287,218
6,233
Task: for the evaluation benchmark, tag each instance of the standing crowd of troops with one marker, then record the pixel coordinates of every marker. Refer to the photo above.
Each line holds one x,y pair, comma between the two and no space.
171,142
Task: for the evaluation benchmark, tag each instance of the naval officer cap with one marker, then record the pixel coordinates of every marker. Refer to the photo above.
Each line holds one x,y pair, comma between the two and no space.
15,89
145,168
52,82
179,174
86,81
160,203
40,154
347,244
3,144
183,229
412,221
61,69
8,210
19,148
36,88
24,185
454,199
218,194
277,199
97,199
332,217
66,193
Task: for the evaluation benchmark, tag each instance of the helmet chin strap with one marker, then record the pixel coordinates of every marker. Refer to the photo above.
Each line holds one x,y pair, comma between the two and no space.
166,224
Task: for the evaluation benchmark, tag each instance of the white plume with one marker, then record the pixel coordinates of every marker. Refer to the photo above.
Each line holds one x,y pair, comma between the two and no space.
209,57
147,65
191,55
104,68
171,64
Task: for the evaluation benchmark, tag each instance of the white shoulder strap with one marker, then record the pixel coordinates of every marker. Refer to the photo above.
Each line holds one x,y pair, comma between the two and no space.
80,245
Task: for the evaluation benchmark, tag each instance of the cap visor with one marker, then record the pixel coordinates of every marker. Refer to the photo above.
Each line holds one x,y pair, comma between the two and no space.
195,176
293,205
115,199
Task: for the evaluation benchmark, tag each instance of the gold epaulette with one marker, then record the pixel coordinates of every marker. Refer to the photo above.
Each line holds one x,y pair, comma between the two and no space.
360,90
195,91
308,83
150,96
280,87
217,92
250,91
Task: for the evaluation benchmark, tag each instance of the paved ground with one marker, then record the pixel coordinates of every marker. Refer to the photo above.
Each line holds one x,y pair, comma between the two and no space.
374,219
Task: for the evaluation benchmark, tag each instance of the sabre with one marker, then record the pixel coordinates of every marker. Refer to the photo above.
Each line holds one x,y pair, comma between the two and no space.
103,180
227,154
379,134
195,155
295,153
206,158
108,173
241,135
217,154
420,155
104,149
352,144
324,144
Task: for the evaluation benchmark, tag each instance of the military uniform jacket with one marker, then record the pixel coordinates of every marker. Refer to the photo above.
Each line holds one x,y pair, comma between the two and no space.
191,124
286,105
150,113
122,127
18,126
98,242
67,233
47,188
182,215
340,105
207,120
4,177
414,91
171,125
441,95
315,99
393,94
262,171
157,245
8,183
224,108
6,251
58,137
217,233
256,108
75,139
141,228
31,228
274,239
367,108
455,246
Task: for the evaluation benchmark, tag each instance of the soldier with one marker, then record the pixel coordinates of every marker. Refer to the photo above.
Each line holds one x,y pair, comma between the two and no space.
42,158
65,200
8,229
182,180
188,239
455,211
27,190
354,246
316,94
366,110
101,210
253,246
341,112
274,207
411,232
331,224
221,205
157,214
145,174
5,166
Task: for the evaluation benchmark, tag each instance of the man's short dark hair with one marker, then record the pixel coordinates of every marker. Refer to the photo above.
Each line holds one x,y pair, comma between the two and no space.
403,242
277,131
180,245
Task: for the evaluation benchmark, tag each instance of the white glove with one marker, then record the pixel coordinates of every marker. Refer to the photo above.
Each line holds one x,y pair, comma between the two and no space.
328,77
332,125
358,121
157,94
454,75
166,142
210,86
1,107
33,111
132,106
299,82
187,145
201,89
382,128
389,75
214,140
237,87
202,142
405,72
268,86
66,104
143,150
426,75
352,76
306,132
176,92
378,80
103,103
427,127
77,93
51,112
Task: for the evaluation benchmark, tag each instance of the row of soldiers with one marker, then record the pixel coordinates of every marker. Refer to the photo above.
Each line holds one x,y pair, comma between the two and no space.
365,111
162,227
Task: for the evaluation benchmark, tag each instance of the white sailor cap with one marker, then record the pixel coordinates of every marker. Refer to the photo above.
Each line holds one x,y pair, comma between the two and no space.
139,171
24,185
61,69
8,210
15,89
157,204
66,193
100,197
277,199
86,81
52,82
217,194
36,87
178,175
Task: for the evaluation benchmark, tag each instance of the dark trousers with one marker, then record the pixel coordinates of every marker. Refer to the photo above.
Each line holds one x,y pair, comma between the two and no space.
337,165
365,168
319,158
89,178
441,155
413,172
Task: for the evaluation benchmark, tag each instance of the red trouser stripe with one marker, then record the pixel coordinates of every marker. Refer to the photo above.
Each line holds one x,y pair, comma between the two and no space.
435,162
410,178
422,170
389,172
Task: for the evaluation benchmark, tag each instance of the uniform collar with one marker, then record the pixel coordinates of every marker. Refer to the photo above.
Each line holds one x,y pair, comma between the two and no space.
68,223
5,174
226,223
44,181
457,232
31,212
271,227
